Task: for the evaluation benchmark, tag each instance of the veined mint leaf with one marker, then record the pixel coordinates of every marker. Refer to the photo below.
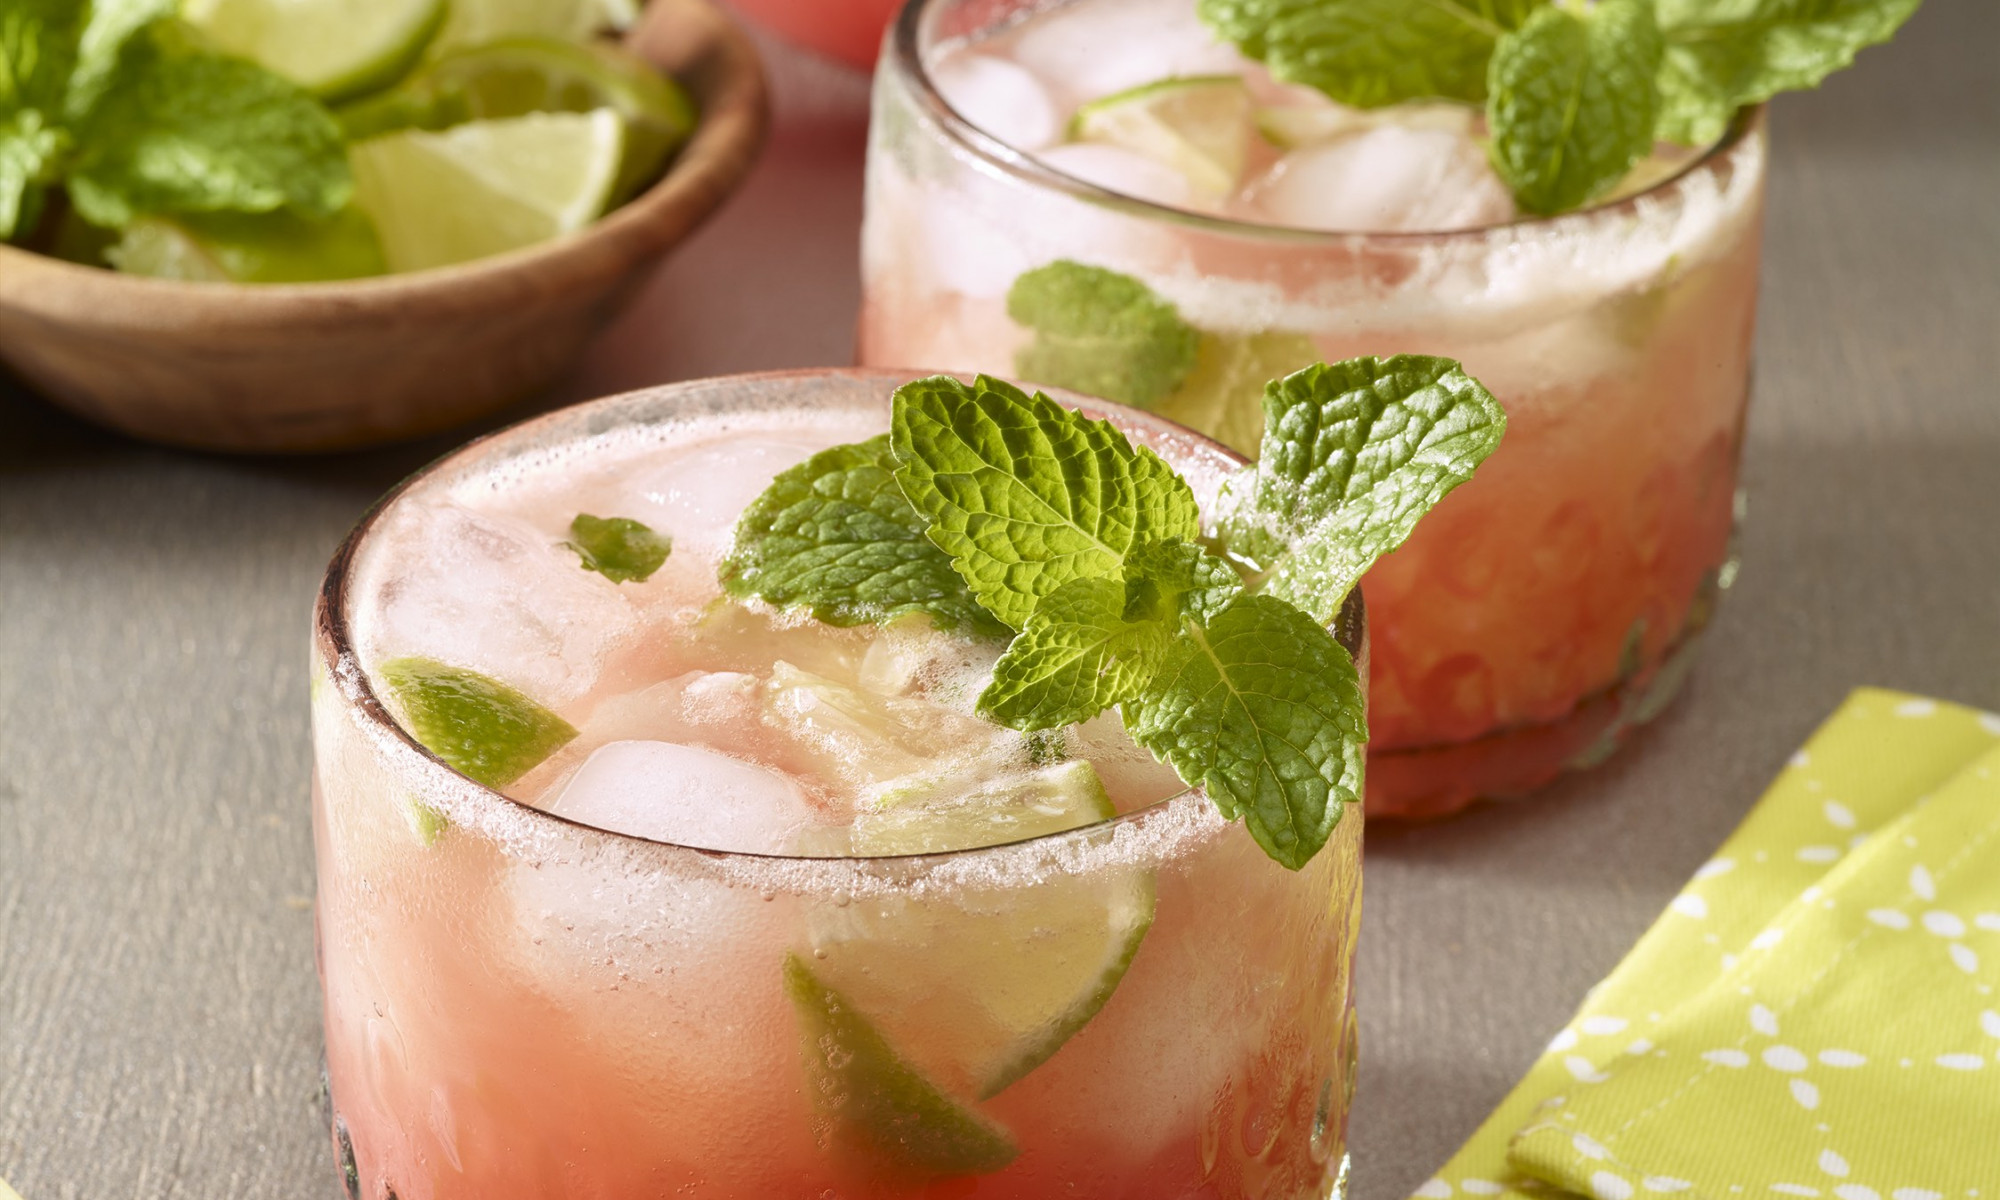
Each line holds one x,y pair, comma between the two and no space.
1100,332
1355,453
1179,580
1079,654
618,548
110,25
1572,101
837,535
1263,710
1026,495
179,130
1723,54
1372,53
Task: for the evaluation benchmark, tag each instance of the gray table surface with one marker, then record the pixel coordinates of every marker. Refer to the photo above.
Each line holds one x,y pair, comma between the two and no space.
159,1030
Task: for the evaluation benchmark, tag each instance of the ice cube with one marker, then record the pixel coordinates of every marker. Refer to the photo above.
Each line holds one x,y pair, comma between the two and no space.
688,796
1126,172
1391,177
1092,49
495,594
696,496
1000,97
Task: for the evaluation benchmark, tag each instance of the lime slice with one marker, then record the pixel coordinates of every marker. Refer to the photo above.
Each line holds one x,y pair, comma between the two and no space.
932,816
873,740
334,48
484,729
1293,126
274,247
1201,126
980,988
877,1103
1223,396
476,22
487,187
524,75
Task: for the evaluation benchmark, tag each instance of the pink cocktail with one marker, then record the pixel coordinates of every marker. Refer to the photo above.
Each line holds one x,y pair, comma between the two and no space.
643,968
1549,606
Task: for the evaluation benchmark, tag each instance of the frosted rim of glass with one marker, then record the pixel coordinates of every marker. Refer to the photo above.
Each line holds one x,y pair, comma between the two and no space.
902,52
1170,824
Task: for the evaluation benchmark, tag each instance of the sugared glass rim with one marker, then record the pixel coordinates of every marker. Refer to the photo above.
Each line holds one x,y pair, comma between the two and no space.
902,54
333,641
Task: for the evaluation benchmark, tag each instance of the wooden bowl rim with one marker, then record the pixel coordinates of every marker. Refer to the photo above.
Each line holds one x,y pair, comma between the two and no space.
719,66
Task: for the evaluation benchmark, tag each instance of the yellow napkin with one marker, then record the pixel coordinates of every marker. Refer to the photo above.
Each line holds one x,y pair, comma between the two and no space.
1630,1065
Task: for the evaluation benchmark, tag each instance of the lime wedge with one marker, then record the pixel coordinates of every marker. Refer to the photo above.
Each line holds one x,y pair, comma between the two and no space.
1201,126
932,816
524,75
476,22
1223,396
980,989
877,1103
482,728
333,48
277,247
487,187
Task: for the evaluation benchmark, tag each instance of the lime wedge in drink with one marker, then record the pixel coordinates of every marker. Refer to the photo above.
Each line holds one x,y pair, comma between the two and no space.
523,75
877,1103
486,730
488,186
476,22
334,48
277,247
1222,395
1200,125
979,988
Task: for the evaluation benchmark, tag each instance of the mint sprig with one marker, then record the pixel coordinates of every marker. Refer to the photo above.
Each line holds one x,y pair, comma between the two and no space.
121,104
618,548
1026,495
1572,100
1089,547
1100,332
835,534
1574,92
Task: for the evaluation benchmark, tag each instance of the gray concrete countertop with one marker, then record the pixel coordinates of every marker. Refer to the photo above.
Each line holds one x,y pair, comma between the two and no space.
159,1028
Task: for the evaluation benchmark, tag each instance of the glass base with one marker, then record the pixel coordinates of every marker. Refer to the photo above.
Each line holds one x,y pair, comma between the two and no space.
1435,781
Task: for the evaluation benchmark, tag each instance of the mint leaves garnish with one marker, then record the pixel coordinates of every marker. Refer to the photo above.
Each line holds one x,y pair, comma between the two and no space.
1060,529
1574,92
1262,709
837,535
1371,53
1724,54
120,103
618,548
1100,332
1354,454
1573,101
1026,495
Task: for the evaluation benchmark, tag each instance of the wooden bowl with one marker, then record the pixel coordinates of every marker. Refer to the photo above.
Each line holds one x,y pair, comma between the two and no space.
331,366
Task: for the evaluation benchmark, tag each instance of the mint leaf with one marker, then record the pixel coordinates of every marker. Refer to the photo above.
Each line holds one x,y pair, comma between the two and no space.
1099,332
837,535
1026,495
482,728
29,149
38,40
1723,54
1373,53
618,548
111,23
178,130
1355,453
1263,710
1078,655
1572,101
1178,580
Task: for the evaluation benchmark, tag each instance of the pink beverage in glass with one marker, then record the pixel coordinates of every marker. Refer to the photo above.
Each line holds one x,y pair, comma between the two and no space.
848,30
1548,606
673,958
